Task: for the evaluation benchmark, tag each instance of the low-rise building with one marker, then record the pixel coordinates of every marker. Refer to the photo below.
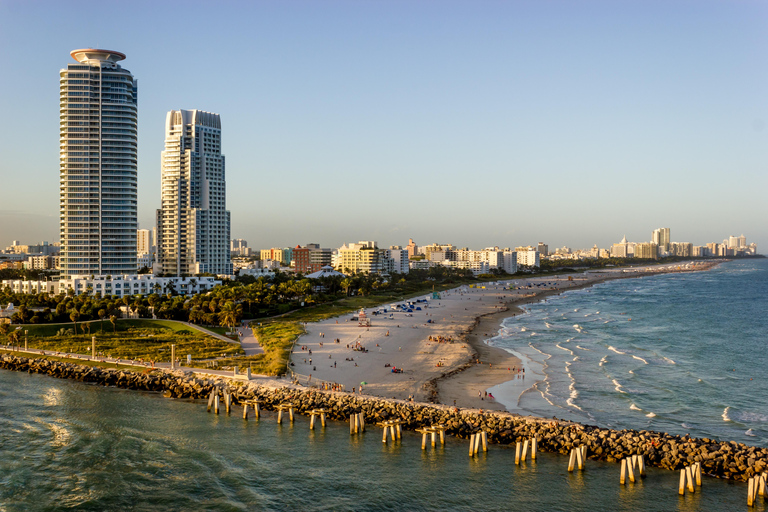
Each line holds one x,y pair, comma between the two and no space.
311,258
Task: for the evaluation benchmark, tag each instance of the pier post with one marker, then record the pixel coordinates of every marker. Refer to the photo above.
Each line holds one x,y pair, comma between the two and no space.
423,438
352,424
623,475
322,418
761,485
433,436
580,457
697,471
312,421
290,412
751,492
681,487
534,448
279,416
689,479
210,400
93,347
173,356
525,449
227,401
572,461
484,435
471,445
25,339
384,439
631,469
641,465
216,404
361,421
517,452
245,411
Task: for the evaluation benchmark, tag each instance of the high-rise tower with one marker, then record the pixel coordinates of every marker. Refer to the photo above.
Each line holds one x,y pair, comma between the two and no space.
97,163
193,222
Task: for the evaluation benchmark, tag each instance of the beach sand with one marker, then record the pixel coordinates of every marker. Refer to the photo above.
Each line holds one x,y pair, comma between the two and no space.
453,372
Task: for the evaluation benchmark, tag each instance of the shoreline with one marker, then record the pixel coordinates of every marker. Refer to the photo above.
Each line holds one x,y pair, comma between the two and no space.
462,384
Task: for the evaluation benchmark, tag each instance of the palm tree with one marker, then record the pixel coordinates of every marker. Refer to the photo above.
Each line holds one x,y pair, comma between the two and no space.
112,320
74,316
346,284
230,314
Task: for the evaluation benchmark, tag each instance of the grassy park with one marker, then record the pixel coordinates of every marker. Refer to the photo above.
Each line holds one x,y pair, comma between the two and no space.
130,339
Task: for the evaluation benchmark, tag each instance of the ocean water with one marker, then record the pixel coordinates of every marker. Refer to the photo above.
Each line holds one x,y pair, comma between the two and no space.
680,353
66,445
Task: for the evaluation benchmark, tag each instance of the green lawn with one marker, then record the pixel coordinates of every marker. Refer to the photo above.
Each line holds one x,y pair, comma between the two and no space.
133,339
76,361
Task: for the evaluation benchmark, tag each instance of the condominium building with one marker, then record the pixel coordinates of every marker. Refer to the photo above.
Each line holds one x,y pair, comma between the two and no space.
399,258
661,238
193,223
97,164
283,255
311,258
647,251
528,257
362,257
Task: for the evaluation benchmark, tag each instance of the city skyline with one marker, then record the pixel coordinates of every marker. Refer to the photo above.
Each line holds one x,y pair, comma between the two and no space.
498,124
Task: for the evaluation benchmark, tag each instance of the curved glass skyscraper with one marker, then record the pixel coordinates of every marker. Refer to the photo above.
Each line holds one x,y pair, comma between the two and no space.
98,139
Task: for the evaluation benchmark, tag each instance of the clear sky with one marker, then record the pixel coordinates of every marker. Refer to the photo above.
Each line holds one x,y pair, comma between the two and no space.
475,123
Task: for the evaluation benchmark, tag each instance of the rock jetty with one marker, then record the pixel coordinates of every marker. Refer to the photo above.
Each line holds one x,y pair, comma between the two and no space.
722,459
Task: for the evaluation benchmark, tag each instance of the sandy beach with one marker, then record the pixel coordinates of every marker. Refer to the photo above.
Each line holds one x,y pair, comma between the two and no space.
442,347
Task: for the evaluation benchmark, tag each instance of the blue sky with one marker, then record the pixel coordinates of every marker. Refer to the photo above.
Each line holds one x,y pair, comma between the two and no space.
474,123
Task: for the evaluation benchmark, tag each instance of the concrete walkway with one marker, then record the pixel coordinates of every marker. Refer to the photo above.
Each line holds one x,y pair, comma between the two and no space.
248,340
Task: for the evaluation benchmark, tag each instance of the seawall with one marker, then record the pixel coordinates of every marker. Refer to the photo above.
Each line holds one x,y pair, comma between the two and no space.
720,459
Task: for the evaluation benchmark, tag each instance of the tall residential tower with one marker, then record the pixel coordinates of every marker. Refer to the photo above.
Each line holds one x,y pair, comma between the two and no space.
193,222
98,126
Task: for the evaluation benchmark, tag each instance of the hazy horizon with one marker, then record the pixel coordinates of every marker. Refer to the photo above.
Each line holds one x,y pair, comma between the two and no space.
472,123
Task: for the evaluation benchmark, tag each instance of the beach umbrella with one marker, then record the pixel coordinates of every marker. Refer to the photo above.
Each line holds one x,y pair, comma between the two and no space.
363,383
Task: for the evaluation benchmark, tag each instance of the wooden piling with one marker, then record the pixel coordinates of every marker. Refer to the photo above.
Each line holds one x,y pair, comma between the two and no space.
210,400
477,442
630,463
245,411
312,421
697,472
689,479
572,460
517,452
485,441
579,457
352,424
761,485
227,400
525,449
384,439
751,493
623,475
471,445
641,465
216,404
361,421
433,436
279,416
681,487
534,448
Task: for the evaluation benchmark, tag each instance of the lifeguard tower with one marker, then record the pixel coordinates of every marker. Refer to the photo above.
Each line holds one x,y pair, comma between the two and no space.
363,320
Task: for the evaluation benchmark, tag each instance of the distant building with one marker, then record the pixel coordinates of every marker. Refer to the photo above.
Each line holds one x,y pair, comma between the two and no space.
412,248
363,257
543,249
400,259
311,258
42,263
621,249
283,255
661,237
239,247
647,251
528,257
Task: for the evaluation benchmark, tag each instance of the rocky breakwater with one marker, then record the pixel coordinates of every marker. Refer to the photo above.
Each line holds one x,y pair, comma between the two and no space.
721,459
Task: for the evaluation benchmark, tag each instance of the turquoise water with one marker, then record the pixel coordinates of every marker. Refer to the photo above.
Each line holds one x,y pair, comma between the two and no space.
681,353
71,446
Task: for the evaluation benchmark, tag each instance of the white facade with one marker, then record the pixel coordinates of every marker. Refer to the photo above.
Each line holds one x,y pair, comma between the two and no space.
98,126
143,284
477,267
193,224
399,257
528,258
22,286
510,262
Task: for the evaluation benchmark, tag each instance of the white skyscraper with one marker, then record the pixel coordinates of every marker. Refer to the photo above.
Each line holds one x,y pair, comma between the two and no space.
97,165
193,223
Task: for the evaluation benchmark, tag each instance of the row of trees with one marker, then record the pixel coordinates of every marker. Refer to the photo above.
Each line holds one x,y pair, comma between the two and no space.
224,305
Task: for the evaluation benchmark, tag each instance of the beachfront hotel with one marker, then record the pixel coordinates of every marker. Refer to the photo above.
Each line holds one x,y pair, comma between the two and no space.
97,165
193,223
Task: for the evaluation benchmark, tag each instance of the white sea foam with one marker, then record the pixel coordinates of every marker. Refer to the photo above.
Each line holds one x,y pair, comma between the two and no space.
635,408
650,415
582,348
618,386
668,360
630,371
523,329
611,347
684,425
563,348
725,414
603,360
597,312
640,359
549,325
576,310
